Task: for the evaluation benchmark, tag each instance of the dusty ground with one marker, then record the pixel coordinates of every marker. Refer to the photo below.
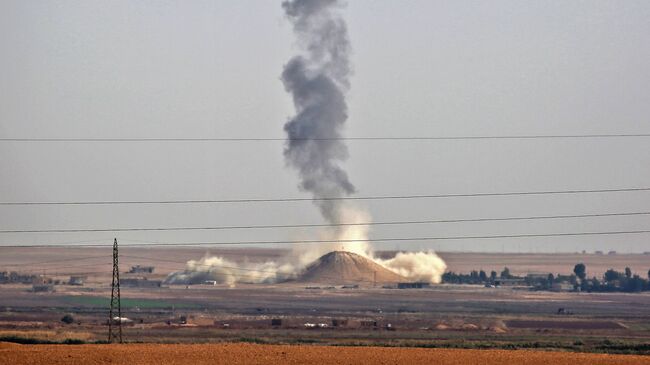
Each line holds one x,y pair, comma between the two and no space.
443,315
284,354
525,263
97,260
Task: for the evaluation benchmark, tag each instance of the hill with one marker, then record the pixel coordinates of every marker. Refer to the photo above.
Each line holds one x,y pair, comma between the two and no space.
341,267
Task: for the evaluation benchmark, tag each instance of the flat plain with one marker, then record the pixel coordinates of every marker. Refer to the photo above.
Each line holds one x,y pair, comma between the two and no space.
443,317
145,354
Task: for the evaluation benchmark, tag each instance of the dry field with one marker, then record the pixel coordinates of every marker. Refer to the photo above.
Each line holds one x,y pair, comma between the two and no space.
562,263
444,316
285,354
167,259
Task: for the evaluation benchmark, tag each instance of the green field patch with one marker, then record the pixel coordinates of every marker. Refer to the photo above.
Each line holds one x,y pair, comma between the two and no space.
128,303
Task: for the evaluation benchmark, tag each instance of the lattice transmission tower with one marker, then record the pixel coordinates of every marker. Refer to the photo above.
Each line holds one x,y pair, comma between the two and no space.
115,325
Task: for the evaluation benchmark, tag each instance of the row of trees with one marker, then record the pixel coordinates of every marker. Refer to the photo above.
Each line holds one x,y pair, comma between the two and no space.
611,281
476,277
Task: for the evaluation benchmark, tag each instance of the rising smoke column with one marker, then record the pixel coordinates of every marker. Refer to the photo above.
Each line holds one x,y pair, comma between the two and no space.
318,80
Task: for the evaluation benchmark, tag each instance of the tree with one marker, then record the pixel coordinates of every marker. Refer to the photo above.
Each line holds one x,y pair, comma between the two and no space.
628,273
551,279
482,275
573,279
505,274
612,275
493,275
548,284
635,284
648,274
580,270
595,283
473,275
67,319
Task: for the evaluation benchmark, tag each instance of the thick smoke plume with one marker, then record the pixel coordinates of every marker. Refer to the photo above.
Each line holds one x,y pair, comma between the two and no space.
223,271
318,80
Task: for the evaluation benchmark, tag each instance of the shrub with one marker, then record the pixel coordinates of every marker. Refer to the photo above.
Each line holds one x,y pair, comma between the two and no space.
67,319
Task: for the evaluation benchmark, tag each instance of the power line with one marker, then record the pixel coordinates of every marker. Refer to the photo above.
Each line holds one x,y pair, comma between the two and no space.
377,197
283,139
392,239
25,264
63,273
54,261
236,269
66,243
323,225
197,264
61,269
58,270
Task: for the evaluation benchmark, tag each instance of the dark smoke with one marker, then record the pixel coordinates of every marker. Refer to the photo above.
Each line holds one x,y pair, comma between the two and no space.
318,80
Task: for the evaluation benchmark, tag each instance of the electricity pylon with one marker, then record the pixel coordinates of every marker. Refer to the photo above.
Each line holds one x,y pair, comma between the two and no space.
115,327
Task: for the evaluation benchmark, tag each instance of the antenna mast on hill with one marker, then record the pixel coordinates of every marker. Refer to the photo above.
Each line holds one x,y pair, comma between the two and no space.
115,331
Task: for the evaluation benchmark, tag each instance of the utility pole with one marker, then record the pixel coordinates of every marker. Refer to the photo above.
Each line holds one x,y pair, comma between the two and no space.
115,329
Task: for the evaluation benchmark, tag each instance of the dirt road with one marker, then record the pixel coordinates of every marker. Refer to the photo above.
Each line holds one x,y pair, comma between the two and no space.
141,354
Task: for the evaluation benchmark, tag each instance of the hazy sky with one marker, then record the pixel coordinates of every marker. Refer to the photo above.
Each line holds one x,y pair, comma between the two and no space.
104,69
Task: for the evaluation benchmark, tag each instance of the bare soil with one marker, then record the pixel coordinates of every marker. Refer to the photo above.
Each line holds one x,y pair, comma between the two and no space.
556,263
340,267
570,325
442,315
158,354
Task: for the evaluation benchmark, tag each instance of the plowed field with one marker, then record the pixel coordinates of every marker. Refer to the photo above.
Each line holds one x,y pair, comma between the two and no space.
161,354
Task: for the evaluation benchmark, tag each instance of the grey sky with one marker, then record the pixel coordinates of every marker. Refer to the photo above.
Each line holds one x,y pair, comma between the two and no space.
421,68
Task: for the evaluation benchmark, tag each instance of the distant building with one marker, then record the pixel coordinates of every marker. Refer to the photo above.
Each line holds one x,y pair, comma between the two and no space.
140,283
355,286
510,282
563,286
40,288
598,252
339,322
611,253
367,324
137,269
76,280
537,276
16,278
415,285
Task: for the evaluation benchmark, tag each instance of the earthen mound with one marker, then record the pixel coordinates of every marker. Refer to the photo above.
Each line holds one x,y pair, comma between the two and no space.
342,267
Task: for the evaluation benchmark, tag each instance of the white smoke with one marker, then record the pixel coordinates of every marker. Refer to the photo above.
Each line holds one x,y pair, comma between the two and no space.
223,271
318,79
349,237
416,266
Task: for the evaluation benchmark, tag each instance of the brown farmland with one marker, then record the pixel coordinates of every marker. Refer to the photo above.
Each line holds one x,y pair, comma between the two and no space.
441,316
137,354
579,325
